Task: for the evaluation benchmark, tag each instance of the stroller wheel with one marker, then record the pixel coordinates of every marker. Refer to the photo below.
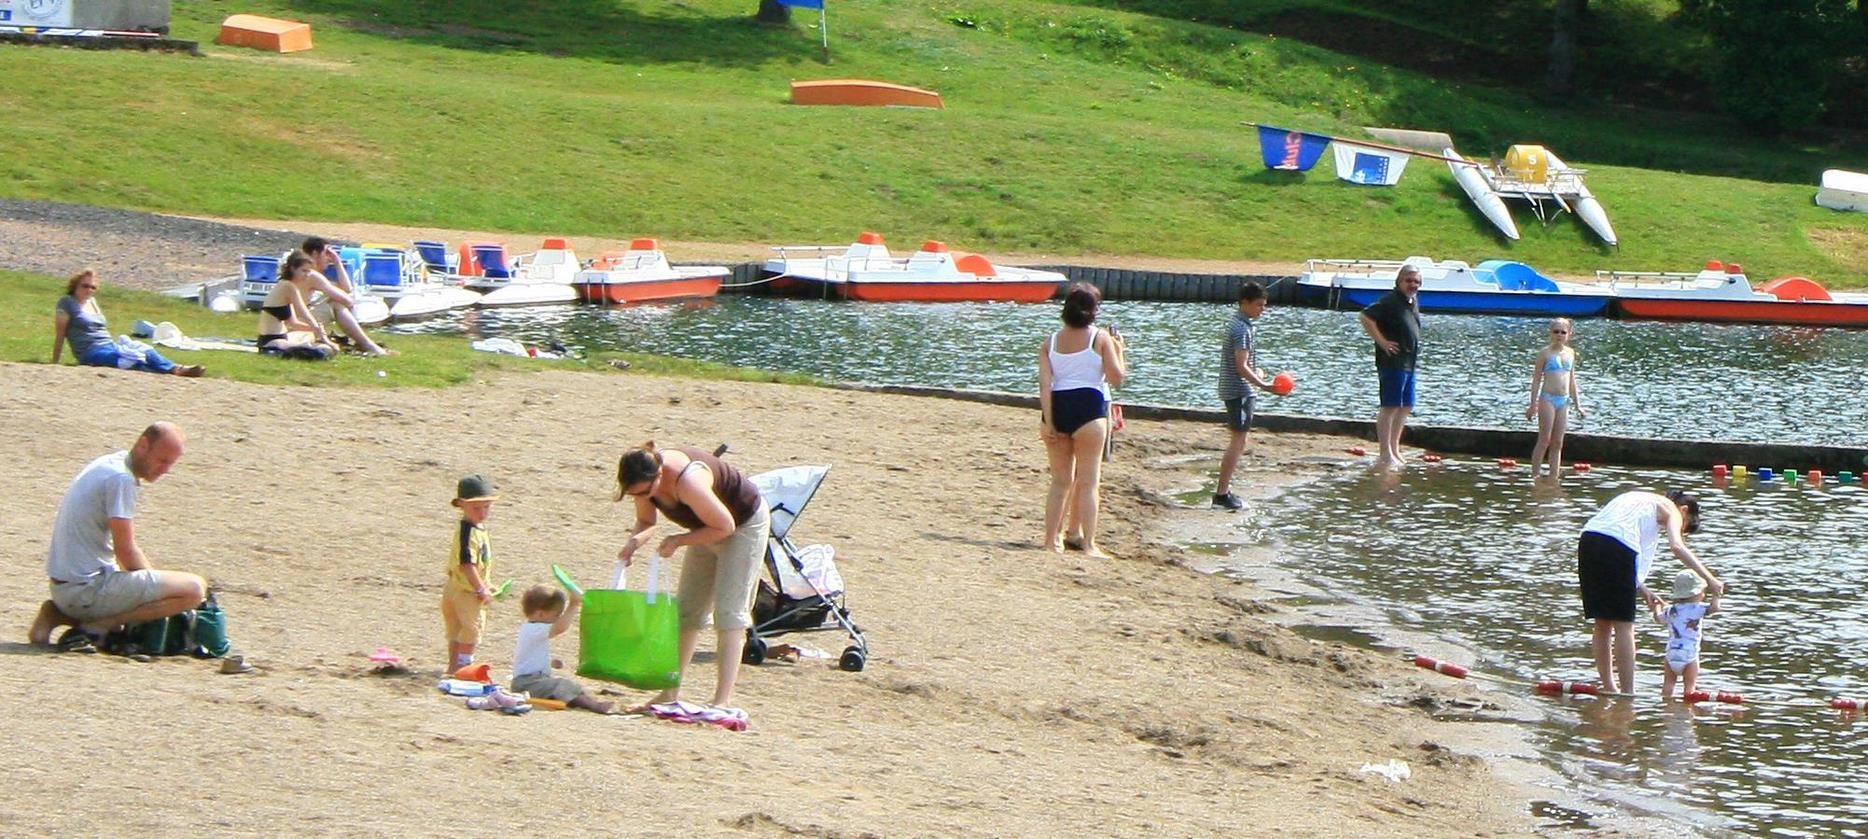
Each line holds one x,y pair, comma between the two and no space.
852,660
754,652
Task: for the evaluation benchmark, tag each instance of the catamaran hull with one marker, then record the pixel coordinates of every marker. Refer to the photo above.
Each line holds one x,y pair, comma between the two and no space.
970,291
1737,311
528,294
1473,181
643,291
1538,304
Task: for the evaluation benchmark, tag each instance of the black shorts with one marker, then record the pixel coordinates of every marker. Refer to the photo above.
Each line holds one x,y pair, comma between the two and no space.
1606,569
1239,413
1075,408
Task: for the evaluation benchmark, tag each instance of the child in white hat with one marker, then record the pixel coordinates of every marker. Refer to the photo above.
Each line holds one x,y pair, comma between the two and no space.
1682,619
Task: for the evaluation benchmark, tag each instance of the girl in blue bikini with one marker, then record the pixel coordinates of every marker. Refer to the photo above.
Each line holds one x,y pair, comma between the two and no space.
1553,393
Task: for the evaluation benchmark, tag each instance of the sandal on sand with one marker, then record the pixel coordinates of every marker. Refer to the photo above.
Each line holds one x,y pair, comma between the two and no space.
191,371
76,640
1072,543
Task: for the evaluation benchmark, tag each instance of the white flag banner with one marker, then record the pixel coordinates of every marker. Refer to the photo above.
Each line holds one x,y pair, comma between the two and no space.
1364,165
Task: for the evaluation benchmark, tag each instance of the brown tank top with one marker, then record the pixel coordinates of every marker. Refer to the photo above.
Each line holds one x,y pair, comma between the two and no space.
730,485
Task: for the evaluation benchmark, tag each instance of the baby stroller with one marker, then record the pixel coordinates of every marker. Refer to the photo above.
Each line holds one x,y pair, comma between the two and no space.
805,592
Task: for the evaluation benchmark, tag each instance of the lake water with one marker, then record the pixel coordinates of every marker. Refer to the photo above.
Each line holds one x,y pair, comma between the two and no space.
1486,560
1738,383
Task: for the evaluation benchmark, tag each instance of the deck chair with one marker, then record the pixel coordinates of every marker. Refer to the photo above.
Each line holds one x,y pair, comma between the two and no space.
493,262
258,274
384,271
436,258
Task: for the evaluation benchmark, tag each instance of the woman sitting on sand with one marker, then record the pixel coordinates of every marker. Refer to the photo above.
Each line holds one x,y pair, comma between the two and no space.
1076,367
81,321
285,311
726,525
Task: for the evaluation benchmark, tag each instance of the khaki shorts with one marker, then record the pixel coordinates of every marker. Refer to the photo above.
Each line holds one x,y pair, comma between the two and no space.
717,580
547,686
107,594
462,616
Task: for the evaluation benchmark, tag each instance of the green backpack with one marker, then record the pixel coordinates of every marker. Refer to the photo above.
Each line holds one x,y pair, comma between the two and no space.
200,632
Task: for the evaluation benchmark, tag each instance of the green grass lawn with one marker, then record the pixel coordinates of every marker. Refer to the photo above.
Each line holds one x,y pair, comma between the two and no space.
27,301
1070,129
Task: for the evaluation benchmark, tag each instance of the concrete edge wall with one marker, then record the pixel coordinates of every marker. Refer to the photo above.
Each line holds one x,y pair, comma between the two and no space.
1487,442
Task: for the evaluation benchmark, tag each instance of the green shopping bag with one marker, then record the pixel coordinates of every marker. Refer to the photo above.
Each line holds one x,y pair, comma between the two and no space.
630,637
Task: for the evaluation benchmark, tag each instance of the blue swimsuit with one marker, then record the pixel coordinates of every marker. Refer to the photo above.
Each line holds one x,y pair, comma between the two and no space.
1557,364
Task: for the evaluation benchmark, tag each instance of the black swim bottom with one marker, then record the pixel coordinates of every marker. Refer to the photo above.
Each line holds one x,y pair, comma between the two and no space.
1239,413
1075,408
1606,569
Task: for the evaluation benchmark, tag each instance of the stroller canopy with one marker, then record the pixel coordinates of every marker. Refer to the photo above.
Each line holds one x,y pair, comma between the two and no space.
786,491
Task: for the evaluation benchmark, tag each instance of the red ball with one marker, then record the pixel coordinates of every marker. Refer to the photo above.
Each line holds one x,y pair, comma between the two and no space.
1283,383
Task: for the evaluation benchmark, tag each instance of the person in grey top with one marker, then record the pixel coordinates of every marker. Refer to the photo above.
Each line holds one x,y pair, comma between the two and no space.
98,575
79,321
1236,370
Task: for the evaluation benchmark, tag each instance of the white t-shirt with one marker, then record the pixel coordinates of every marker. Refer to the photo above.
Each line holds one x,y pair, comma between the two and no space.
1683,632
533,652
1633,519
81,544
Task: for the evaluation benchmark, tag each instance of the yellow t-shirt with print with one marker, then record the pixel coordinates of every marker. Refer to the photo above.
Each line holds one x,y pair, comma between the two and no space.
470,548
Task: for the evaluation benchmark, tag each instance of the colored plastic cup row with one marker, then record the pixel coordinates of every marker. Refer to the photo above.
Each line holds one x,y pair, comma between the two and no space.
1738,473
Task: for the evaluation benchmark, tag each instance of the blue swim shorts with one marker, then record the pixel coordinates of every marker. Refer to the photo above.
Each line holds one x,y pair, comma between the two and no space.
1397,388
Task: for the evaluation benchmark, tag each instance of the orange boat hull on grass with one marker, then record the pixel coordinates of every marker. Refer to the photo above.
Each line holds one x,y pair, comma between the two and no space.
1736,311
638,292
978,291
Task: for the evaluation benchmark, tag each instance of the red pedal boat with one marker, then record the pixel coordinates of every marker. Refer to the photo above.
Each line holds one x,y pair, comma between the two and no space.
642,273
866,271
1721,293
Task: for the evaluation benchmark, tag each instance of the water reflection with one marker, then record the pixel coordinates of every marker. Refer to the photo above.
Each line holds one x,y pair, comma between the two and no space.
1486,558
1760,384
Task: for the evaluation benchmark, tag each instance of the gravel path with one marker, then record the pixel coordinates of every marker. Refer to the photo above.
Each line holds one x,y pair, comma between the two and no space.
128,248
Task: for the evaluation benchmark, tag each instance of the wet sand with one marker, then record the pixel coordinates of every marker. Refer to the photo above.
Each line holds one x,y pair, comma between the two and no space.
1010,692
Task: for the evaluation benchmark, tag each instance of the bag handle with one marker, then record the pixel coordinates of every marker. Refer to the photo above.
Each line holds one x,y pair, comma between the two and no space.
655,575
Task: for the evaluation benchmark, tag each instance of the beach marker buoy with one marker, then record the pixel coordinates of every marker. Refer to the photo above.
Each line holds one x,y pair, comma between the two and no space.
1841,704
1693,696
1581,467
1738,472
1443,667
1816,476
1554,687
1506,463
1790,476
1764,473
1718,471
1729,698
1358,451
1430,457
1283,383
1844,476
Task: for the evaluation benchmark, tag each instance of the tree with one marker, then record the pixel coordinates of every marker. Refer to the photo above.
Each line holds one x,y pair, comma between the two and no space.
1773,60
1566,21
772,11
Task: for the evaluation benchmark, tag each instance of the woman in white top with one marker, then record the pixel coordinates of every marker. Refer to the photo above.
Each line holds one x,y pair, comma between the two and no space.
1076,367
1613,558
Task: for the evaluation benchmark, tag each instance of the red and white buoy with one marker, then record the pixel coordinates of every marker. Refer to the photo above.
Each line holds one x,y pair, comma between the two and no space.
1844,704
1443,667
1557,688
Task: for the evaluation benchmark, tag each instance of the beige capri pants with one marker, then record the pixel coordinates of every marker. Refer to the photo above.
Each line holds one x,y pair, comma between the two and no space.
717,580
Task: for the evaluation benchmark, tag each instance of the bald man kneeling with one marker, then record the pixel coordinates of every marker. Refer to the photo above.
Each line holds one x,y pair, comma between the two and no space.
100,579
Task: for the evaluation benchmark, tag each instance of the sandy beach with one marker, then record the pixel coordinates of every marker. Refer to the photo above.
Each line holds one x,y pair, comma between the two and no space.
1011,692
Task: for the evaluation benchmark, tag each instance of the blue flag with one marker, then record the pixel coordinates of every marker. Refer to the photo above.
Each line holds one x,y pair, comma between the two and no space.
803,4
1294,151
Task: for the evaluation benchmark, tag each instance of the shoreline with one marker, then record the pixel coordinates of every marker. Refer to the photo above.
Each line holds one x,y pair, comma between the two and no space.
1010,691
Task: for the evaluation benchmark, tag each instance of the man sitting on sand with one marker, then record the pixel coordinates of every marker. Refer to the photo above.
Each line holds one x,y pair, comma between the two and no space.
100,579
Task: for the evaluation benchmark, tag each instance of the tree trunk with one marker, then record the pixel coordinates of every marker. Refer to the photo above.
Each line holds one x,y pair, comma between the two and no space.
772,11
1566,22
